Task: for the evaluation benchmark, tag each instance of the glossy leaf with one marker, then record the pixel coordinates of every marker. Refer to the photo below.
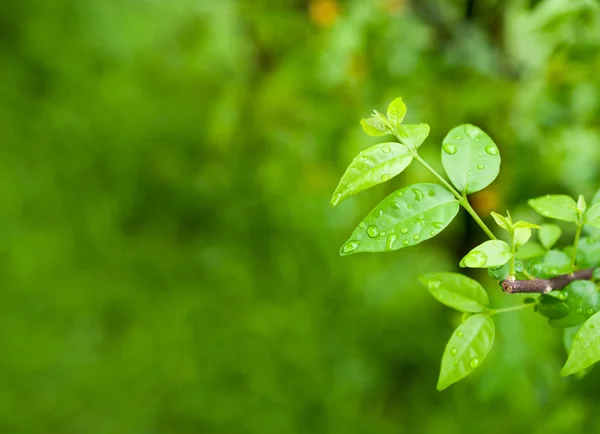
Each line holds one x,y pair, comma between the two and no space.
501,221
525,225
521,236
553,263
595,199
558,206
552,306
592,217
470,157
530,250
413,135
486,255
374,126
467,348
396,112
405,218
456,291
588,252
568,338
549,234
583,301
585,350
372,166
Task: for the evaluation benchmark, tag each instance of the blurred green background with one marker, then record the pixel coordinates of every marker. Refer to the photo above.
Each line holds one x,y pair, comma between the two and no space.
169,260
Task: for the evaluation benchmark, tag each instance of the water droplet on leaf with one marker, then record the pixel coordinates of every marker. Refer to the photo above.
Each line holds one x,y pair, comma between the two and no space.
449,148
434,284
386,148
418,194
480,166
474,362
372,231
453,351
395,205
455,363
416,237
437,225
362,224
391,240
431,193
404,230
409,206
579,310
491,150
385,177
350,246
473,132
589,311
432,233
460,334
399,193
335,199
405,242
475,259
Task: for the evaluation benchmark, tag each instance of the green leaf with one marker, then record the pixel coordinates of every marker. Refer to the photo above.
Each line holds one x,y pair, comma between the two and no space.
588,252
585,350
581,205
405,218
592,217
583,301
501,272
557,206
470,157
412,135
521,236
551,306
549,235
396,111
501,221
372,166
554,263
522,225
530,250
486,255
568,338
467,348
374,126
456,291
595,199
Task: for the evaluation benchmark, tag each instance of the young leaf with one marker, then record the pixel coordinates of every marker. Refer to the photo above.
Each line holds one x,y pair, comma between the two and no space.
486,255
470,157
467,348
595,199
551,306
549,234
396,111
557,206
530,250
405,218
581,205
372,166
374,126
585,350
583,301
588,252
525,225
413,135
521,236
457,291
501,221
554,263
592,217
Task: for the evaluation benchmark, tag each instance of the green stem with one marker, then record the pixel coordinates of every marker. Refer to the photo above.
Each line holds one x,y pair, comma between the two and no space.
510,309
462,200
513,253
526,274
575,243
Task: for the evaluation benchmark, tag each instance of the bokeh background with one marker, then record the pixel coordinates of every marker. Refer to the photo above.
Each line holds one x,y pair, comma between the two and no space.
169,261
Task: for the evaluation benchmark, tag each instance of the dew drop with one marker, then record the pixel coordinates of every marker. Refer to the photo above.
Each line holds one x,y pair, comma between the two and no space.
434,284
391,239
416,237
372,231
589,311
431,193
453,351
380,212
474,362
579,310
469,172
460,334
348,185
386,148
404,230
409,206
494,243
350,246
418,194
480,166
399,193
592,326
395,205
475,259
362,224
385,177
405,242
473,132
457,138
449,148
437,225
455,363
432,233
491,150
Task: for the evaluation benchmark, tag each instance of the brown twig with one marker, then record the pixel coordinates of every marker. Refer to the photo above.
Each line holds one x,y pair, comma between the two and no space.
544,286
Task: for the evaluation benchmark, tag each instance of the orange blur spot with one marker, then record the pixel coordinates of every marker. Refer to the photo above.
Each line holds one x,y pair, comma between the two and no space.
323,12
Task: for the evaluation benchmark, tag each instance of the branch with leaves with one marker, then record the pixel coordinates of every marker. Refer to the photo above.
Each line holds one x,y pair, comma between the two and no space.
419,212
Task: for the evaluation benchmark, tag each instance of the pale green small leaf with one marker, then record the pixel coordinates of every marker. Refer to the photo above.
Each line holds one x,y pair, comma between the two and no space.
374,127
554,263
582,299
396,112
523,224
413,135
372,166
405,218
471,158
592,217
467,348
530,250
581,205
456,291
501,220
521,236
585,350
557,206
568,337
549,234
487,255
595,199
